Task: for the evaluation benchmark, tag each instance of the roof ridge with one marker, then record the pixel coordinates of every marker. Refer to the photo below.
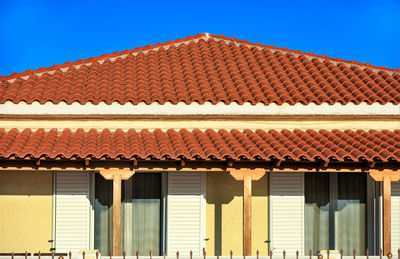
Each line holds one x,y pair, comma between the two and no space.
115,54
299,52
206,36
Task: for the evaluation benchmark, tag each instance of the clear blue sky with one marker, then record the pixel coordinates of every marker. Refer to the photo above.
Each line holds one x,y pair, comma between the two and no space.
40,33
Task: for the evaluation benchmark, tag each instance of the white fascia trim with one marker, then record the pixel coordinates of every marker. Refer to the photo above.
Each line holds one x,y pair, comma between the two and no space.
10,108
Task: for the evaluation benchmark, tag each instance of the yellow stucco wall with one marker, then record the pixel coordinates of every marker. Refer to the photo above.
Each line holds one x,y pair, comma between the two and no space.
224,214
25,211
202,124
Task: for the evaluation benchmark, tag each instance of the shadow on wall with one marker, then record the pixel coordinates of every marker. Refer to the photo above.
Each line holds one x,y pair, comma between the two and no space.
222,189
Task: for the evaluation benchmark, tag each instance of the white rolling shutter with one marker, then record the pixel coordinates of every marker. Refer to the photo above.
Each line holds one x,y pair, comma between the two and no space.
186,213
72,211
287,212
395,216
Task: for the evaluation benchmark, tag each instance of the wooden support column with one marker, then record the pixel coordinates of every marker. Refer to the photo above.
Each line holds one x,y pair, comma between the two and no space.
387,177
247,176
117,176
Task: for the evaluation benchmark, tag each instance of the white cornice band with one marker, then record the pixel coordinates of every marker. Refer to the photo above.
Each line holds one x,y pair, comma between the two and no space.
10,108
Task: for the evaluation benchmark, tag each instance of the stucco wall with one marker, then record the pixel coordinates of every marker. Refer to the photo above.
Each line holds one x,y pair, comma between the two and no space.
225,214
202,124
25,211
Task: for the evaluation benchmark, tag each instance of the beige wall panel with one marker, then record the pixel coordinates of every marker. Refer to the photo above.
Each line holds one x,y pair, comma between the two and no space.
259,225
201,124
25,211
225,215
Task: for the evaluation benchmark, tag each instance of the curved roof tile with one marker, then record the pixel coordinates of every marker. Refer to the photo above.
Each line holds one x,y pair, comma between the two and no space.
248,144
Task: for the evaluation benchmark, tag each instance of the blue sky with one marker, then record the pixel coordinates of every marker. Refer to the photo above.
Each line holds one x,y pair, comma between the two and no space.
40,33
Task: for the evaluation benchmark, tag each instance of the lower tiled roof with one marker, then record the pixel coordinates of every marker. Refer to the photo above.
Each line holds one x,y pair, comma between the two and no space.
222,144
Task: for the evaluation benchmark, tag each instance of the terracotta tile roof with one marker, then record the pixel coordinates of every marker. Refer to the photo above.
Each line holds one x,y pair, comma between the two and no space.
259,144
205,68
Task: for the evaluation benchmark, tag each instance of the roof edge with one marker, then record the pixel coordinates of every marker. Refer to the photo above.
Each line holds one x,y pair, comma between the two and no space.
206,36
351,62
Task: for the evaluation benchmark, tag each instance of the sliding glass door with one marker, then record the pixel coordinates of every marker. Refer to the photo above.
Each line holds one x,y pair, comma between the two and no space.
335,212
141,210
142,214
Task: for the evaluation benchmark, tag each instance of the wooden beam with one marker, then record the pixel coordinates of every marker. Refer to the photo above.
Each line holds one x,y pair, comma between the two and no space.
387,226
247,176
247,216
191,165
387,177
117,215
379,176
117,176
202,117
110,174
240,174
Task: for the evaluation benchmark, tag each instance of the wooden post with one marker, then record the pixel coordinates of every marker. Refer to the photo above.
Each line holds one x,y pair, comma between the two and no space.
387,177
247,176
116,215
387,228
247,198
117,176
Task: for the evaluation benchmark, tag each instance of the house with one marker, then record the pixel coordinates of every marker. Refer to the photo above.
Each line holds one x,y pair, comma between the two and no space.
205,143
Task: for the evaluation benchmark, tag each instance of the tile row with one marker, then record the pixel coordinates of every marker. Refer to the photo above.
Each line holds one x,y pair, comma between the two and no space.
209,144
214,69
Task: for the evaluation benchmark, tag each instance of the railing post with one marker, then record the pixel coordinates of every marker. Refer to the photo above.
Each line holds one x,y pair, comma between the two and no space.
284,254
231,254
124,254
137,254
367,253
70,254
341,253
151,254
97,254
39,255
26,254
177,254
204,254
310,253
354,253
83,254
164,254
12,255
257,253
297,254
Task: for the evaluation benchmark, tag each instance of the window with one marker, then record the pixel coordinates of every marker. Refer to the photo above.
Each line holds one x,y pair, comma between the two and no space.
142,214
336,212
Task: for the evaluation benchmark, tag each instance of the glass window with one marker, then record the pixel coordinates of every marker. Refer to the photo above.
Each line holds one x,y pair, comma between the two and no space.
335,212
103,215
141,207
141,214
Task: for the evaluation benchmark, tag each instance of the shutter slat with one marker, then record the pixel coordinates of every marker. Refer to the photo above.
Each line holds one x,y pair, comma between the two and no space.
72,212
287,205
395,216
184,213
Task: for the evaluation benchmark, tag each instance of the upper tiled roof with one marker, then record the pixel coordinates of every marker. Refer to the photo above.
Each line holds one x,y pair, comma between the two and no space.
259,144
205,68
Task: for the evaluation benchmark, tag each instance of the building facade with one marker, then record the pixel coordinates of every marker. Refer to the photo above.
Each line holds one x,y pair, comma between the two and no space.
206,143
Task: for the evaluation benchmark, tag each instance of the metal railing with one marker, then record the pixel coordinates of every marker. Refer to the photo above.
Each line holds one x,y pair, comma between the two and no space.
177,255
